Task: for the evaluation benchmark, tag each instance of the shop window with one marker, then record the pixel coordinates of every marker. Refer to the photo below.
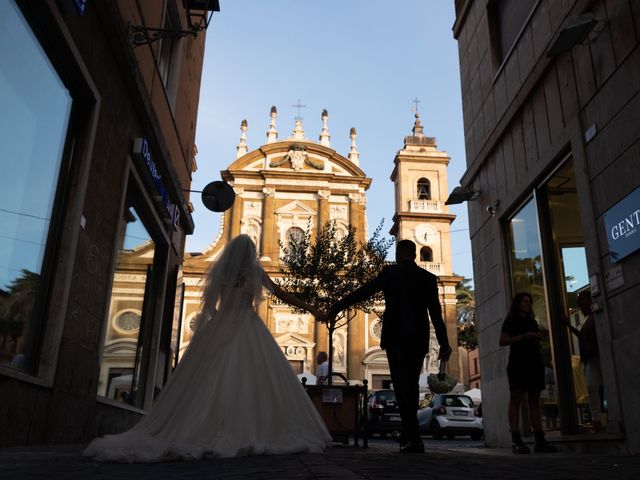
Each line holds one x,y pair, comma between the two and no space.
424,189
507,19
426,254
125,350
34,120
527,275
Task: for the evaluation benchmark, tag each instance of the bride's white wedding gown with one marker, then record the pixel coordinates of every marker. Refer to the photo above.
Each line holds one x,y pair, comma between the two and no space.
233,393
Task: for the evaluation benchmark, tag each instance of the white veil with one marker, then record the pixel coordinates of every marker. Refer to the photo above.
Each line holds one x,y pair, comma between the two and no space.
233,283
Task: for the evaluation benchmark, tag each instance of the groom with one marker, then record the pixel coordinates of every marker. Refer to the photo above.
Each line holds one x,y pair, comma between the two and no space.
409,293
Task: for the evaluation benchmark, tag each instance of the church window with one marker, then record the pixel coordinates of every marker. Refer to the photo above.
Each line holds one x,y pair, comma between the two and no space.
295,234
424,189
426,254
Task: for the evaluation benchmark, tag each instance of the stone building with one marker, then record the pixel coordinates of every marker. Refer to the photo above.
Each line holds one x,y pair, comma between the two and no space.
287,184
551,106
97,130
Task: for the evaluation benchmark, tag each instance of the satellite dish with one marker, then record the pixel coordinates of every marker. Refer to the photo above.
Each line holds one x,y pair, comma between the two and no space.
218,196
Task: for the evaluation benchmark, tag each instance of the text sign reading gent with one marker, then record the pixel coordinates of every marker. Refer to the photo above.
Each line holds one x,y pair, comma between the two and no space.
622,222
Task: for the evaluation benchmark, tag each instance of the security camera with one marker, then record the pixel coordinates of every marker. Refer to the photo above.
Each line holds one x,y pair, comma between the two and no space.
492,208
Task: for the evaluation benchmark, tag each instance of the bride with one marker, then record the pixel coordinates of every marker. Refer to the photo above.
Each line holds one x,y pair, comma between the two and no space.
234,392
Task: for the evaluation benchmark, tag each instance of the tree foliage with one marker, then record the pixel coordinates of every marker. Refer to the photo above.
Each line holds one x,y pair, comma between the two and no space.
466,309
324,270
16,305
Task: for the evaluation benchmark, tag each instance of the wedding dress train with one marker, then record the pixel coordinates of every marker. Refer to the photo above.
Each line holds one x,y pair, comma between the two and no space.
233,393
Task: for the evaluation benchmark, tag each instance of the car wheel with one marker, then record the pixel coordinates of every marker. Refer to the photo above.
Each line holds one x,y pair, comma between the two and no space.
476,436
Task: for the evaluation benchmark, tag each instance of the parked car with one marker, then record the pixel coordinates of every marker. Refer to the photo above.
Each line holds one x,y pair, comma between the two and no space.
383,413
450,415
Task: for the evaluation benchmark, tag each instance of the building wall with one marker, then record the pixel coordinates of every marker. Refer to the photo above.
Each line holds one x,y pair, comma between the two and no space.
118,97
521,117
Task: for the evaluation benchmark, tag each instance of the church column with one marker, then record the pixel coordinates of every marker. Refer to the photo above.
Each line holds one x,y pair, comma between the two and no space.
268,243
355,346
447,284
236,214
323,207
356,214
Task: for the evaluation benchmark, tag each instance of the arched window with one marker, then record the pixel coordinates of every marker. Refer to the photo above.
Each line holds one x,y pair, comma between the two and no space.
426,254
295,233
424,189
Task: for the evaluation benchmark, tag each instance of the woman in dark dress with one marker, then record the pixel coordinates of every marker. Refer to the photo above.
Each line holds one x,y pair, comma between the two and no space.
525,370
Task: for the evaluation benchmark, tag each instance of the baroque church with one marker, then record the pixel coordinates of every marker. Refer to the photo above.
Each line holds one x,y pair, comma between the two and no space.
287,184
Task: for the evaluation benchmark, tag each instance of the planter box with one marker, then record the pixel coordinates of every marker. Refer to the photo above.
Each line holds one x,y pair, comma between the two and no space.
343,409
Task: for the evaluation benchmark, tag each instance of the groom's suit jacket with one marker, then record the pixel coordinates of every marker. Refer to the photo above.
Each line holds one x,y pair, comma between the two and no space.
411,297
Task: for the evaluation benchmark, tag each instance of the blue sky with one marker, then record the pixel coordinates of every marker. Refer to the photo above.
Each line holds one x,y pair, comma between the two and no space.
362,60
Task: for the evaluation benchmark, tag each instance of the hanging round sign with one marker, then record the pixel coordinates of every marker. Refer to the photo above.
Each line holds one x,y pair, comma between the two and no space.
218,196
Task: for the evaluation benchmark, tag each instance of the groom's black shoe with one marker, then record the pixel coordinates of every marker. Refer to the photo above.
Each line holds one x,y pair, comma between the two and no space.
413,446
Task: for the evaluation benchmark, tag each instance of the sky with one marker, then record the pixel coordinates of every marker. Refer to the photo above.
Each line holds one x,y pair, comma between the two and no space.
362,60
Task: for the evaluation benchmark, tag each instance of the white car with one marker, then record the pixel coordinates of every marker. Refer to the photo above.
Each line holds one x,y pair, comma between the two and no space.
450,415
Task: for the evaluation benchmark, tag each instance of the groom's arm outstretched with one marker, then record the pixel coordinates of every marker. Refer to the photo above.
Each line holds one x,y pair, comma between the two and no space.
365,291
287,297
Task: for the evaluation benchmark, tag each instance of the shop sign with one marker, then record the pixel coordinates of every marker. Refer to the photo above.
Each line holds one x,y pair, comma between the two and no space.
622,223
142,153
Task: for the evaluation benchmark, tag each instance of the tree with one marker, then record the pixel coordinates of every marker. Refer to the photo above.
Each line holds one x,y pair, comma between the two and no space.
466,315
17,306
324,270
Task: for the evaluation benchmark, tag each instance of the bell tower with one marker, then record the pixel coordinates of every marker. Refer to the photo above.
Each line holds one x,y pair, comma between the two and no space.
420,181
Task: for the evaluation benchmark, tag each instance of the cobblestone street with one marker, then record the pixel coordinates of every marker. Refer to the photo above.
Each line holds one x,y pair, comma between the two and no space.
453,460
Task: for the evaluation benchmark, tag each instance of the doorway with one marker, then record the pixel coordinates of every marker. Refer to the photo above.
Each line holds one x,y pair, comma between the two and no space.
548,260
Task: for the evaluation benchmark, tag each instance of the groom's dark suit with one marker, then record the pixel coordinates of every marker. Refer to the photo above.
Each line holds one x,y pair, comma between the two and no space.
411,297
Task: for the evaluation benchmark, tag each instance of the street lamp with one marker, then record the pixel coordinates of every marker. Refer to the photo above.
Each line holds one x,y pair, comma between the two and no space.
199,13
462,194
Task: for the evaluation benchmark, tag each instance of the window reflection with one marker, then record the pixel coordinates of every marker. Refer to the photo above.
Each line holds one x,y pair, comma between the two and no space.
34,117
527,275
121,375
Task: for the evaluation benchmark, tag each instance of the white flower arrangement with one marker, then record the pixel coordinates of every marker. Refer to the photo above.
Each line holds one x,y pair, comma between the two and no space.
441,382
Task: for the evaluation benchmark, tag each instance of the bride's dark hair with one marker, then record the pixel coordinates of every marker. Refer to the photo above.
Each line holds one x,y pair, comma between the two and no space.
233,281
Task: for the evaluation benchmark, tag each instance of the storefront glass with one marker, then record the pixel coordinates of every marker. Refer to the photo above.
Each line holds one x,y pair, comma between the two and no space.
548,260
527,274
35,108
122,371
570,262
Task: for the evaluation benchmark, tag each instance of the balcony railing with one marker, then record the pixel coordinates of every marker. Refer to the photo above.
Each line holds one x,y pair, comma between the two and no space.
435,268
425,206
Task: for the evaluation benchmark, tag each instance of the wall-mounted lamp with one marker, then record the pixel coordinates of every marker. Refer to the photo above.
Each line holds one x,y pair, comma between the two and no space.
199,13
462,194
575,30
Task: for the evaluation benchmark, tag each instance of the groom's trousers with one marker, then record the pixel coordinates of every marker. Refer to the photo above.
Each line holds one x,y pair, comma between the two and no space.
405,366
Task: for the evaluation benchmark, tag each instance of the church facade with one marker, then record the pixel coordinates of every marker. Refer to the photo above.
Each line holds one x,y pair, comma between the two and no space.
287,185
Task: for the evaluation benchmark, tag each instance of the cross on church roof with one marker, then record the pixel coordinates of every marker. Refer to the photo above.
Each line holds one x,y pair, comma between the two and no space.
416,101
299,106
